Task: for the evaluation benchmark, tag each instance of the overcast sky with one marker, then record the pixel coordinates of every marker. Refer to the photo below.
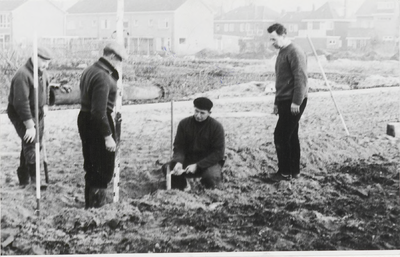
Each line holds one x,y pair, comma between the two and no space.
277,5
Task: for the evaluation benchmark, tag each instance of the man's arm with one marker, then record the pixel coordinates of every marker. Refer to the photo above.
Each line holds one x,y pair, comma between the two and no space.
179,144
298,64
217,149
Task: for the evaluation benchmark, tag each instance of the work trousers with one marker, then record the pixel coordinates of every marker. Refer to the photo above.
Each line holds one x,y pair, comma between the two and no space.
286,138
27,161
211,177
98,162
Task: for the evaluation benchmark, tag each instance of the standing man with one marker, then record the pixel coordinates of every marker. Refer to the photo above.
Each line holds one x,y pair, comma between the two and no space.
98,86
21,111
290,101
199,148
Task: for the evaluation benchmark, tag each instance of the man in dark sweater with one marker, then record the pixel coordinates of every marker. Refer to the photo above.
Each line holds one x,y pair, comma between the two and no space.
290,101
21,111
199,148
98,86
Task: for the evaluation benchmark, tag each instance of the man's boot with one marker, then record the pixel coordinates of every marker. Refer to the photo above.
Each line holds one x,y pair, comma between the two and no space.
23,176
97,197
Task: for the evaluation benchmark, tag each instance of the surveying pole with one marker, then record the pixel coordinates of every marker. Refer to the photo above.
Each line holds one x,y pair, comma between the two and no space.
37,137
118,104
327,84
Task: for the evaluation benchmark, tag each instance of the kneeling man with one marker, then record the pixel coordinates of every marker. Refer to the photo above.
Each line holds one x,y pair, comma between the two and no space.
199,148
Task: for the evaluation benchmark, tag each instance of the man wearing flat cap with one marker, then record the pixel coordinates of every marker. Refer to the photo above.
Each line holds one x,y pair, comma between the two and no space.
21,111
98,86
199,148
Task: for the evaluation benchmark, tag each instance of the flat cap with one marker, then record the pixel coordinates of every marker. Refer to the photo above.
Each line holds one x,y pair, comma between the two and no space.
203,103
117,49
44,53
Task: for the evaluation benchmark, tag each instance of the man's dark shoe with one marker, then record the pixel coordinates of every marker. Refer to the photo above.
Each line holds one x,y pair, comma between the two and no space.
276,177
297,175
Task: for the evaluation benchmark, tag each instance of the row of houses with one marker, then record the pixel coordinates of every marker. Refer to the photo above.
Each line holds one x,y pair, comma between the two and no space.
188,26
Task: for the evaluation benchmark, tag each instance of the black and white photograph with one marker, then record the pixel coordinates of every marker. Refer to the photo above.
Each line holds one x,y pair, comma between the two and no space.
200,127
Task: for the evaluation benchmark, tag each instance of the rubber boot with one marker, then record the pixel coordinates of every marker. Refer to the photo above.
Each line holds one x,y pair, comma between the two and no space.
32,172
23,176
97,197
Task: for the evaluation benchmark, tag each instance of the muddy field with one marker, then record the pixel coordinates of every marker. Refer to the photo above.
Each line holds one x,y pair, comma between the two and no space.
348,197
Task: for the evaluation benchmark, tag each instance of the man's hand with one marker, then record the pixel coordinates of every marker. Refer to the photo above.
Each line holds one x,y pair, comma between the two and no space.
178,170
295,109
30,135
275,110
110,143
191,168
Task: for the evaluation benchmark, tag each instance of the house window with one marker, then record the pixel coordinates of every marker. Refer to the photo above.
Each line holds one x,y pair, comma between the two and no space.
136,23
329,25
94,23
104,24
242,27
293,27
231,27
387,5
4,21
151,22
217,27
80,24
248,27
163,24
182,41
226,27
71,25
126,24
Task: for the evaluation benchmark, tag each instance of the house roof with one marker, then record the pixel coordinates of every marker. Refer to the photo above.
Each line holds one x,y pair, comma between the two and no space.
325,12
107,6
370,7
10,5
250,12
295,16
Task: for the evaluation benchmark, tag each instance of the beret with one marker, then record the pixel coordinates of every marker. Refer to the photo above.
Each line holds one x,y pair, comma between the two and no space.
203,103
116,49
44,53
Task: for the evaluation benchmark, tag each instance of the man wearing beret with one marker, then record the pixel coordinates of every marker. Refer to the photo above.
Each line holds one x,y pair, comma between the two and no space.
98,86
199,148
21,111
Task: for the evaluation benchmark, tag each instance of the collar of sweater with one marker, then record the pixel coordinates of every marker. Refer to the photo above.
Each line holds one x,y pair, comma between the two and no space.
105,64
29,66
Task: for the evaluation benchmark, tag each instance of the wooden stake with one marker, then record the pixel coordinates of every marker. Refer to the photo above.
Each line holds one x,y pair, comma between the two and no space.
37,137
118,104
327,84
168,175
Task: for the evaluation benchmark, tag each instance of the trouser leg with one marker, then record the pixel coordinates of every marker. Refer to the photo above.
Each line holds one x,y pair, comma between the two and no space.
22,171
286,139
98,162
212,176
27,163
295,152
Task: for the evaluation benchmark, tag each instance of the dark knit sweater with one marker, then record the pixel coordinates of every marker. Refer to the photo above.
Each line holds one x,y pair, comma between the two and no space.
98,87
291,75
22,97
202,143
